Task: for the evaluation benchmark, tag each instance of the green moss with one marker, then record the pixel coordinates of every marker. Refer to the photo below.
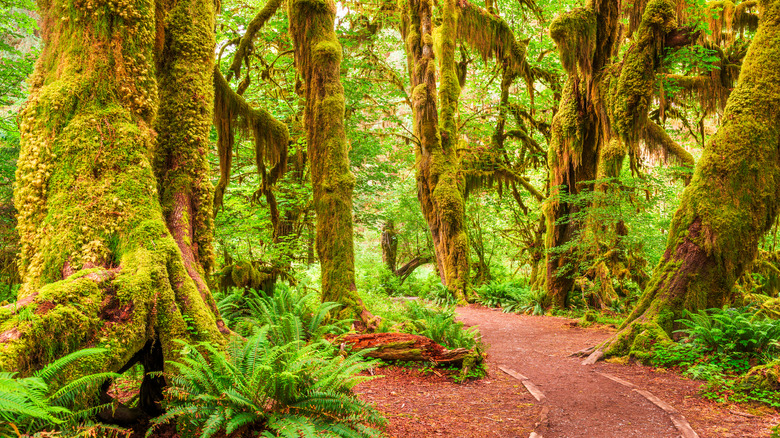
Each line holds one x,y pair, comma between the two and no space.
96,249
318,59
574,33
631,98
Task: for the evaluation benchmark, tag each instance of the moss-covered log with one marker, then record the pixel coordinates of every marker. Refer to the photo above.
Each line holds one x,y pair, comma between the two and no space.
109,259
318,60
439,185
731,201
406,347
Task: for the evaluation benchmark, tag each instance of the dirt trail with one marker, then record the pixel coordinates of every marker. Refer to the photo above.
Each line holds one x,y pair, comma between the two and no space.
584,403
579,400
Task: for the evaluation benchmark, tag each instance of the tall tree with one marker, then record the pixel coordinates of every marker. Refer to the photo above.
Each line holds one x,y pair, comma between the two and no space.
731,202
602,116
318,60
439,185
114,218
441,177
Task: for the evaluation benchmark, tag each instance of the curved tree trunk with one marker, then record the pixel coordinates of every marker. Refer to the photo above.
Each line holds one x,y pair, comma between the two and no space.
318,61
112,257
439,187
731,202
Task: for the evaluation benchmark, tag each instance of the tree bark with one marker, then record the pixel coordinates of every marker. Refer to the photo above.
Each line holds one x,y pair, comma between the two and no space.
439,185
730,203
112,257
389,245
318,60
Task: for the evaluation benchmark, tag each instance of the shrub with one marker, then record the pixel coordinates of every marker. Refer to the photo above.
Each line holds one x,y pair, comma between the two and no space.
263,386
440,326
502,294
291,314
732,331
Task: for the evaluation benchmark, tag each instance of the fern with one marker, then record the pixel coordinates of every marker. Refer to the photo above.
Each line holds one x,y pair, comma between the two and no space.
29,404
258,381
440,326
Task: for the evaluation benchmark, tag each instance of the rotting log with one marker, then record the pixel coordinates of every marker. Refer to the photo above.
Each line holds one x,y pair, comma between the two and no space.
406,347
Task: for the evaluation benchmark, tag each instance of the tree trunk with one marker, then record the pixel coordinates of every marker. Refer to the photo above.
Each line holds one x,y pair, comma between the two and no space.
318,60
389,245
112,257
602,115
439,186
731,202
406,270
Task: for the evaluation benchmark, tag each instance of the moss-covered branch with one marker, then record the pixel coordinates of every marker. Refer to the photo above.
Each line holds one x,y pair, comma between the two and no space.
657,137
244,46
232,111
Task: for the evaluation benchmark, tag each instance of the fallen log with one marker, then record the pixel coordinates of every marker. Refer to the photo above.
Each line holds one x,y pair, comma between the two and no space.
407,347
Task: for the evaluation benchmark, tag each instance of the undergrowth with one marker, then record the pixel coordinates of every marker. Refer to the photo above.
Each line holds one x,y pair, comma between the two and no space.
291,389
29,405
734,350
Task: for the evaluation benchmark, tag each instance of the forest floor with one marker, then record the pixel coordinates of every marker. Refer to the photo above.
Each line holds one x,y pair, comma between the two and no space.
577,400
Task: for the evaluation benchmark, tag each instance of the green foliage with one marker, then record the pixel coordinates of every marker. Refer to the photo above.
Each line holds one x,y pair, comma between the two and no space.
440,326
31,404
292,314
502,294
722,346
258,384
729,331
677,354
514,297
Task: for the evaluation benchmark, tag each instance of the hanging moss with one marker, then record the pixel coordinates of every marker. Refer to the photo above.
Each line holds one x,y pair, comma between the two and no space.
656,137
732,198
271,136
574,33
492,37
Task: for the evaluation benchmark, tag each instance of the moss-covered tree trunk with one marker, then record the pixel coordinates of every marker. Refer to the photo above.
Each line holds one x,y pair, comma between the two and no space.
185,80
99,264
389,243
730,203
587,38
318,61
602,117
439,185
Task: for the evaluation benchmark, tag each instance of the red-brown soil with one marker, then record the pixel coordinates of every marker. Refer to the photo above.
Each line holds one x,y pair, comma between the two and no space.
582,403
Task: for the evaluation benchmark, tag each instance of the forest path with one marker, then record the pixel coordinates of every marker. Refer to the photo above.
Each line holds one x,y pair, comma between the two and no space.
584,403
580,401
